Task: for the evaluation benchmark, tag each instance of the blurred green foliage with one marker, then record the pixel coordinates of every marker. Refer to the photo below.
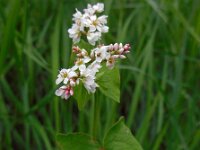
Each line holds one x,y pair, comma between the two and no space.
160,80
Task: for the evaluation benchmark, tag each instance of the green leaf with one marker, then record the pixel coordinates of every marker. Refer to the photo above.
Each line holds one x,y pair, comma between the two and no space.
81,95
109,82
85,45
119,137
76,141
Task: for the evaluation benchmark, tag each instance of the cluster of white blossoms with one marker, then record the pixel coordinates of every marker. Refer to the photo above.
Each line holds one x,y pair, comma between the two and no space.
88,62
89,24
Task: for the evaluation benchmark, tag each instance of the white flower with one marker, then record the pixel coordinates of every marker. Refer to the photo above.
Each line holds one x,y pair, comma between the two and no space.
94,66
95,23
80,63
77,16
64,75
99,7
65,92
110,62
75,33
83,54
93,37
101,53
73,81
88,79
90,10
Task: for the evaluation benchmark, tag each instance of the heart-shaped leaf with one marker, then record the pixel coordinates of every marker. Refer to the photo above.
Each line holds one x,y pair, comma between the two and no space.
109,82
76,141
119,137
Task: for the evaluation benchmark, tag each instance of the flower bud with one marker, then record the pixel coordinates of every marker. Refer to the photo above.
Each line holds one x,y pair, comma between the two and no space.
116,46
127,47
122,56
76,49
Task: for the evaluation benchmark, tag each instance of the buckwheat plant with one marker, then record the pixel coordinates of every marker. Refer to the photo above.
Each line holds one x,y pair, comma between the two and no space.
93,68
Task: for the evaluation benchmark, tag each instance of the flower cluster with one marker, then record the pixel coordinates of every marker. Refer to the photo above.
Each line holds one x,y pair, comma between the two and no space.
89,24
88,62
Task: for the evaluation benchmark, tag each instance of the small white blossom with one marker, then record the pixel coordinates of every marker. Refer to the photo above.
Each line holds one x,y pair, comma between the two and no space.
73,81
90,10
93,37
75,33
80,63
95,23
65,92
94,66
64,75
101,53
99,7
110,62
77,16
88,79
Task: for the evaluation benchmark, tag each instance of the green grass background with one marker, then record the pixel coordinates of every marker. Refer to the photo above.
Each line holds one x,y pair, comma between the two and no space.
160,80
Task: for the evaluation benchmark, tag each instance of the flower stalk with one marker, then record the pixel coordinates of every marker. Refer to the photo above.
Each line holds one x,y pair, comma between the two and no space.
96,113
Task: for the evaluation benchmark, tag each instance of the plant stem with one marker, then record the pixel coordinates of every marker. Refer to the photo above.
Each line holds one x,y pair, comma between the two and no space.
96,110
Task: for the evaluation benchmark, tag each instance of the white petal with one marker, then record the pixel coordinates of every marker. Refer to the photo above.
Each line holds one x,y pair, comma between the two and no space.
86,59
59,92
66,81
76,40
93,18
103,19
63,87
72,74
99,7
74,68
89,80
104,29
59,80
66,96
95,67
87,87
99,28
93,37
82,67
71,31
92,28
71,92
99,59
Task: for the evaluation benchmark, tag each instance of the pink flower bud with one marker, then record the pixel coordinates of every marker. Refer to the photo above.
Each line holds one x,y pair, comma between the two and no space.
120,45
116,46
120,51
110,47
122,56
127,47
76,49
84,52
115,56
